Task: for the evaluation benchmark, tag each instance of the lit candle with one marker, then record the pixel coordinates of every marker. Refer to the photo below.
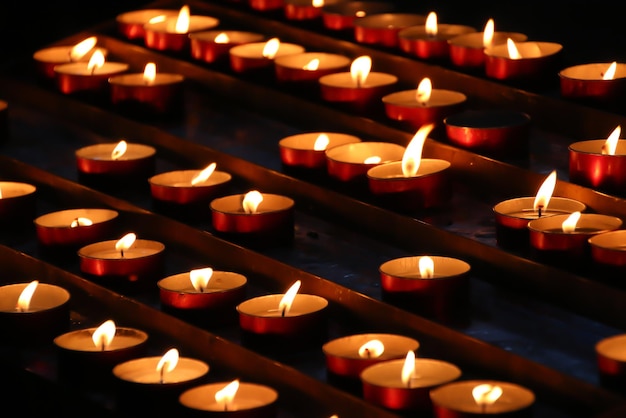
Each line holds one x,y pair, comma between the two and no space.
601,82
309,66
414,182
172,33
305,9
611,359
266,5
87,77
430,41
521,60
423,105
609,250
214,46
308,150
341,15
17,203
383,28
74,227
254,56
47,58
131,24
404,385
351,162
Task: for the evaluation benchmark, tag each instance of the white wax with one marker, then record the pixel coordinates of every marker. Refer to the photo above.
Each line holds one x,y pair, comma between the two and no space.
475,40
15,189
196,24
396,346
444,32
143,371
528,50
46,296
254,50
80,69
219,282
141,17
271,203
267,306
393,170
457,396
356,153
593,71
326,61
408,267
137,79
307,141
522,207
105,250
248,396
613,347
61,54
81,340
428,373
594,146
183,178
64,218
344,80
103,152
438,98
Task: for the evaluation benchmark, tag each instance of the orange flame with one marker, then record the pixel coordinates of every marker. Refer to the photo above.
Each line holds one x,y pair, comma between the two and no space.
125,243
318,3
312,65
488,34
104,334
512,49
486,394
96,61
424,91
408,369
374,159
182,21
82,48
360,69
610,72
149,73
271,48
226,395
80,221
167,363
426,267
569,224
412,157
287,300
23,301
321,142
200,278
119,150
204,174
544,194
610,145
372,349
431,24
221,38
251,201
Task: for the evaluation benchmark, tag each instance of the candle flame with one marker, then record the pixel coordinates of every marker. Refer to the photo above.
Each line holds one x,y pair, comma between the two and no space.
119,150
157,19
374,159
80,221
0,192
431,24
221,38
204,174
360,69
545,192
96,61
318,3
372,349
271,48
182,21
200,278
512,49
104,334
168,362
321,142
610,72
412,156
488,34
408,369
149,73
312,65
360,13
23,301
251,201
82,48
125,242
610,145
486,394
569,224
287,300
424,91
426,267
226,395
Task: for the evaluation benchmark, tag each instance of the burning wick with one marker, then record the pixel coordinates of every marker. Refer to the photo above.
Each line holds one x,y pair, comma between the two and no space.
287,300
125,243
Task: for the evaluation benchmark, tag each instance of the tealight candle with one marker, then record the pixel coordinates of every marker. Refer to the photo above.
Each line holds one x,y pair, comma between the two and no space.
172,33
521,60
74,227
33,312
424,105
308,66
254,56
214,46
512,215
131,24
128,258
609,250
47,58
493,132
341,15
430,41
17,202
150,92
266,5
404,385
308,150
611,358
468,50
241,400
382,28
603,82
482,398
359,89
599,163
351,162
87,77
305,9
414,182
122,160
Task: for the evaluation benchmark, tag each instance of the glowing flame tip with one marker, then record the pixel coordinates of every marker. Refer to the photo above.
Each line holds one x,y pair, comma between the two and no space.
411,160
287,300
23,301
569,224
545,192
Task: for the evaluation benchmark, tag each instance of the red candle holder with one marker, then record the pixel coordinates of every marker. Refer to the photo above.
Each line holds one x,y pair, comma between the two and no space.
97,162
249,57
382,384
494,132
161,95
47,314
214,46
611,359
404,106
77,78
342,89
609,250
586,82
177,187
266,5
347,162
48,58
455,400
162,35
131,24
299,151
74,227
309,66
538,60
416,40
341,15
250,401
382,29
589,167
304,9
17,203
468,50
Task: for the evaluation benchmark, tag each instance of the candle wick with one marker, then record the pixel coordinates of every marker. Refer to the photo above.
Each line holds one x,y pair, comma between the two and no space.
93,70
358,82
284,311
122,253
483,408
103,345
225,406
539,209
162,373
368,353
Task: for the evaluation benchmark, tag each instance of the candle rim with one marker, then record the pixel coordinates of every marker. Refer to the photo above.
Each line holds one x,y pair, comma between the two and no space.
41,55
135,16
620,72
240,283
381,20
89,151
249,50
196,23
538,225
61,340
466,40
428,167
350,7
394,98
320,302
453,372
120,370
109,215
337,80
285,204
161,79
599,240
548,49
87,251
526,202
303,140
27,189
221,177
461,267
445,31
397,150
580,147
209,36
607,343
409,343
73,69
527,399
281,61
207,391
61,295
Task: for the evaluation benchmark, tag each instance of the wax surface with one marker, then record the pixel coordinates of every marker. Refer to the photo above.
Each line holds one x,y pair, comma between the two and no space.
81,340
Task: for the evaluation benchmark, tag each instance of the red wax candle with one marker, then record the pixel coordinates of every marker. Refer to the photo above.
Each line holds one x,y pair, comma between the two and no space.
341,15
103,160
603,82
382,29
73,227
308,150
250,400
131,24
350,162
17,202
259,55
214,46
172,33
535,60
89,77
309,66
47,58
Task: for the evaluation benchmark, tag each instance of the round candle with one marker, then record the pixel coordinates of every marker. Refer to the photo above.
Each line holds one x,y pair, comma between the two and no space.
534,60
143,371
266,5
131,24
305,9
382,28
47,58
609,248
383,384
73,227
251,400
350,162
213,46
17,202
597,81
341,15
456,399
611,357
104,160
90,77
172,33
186,187
468,50
258,55
308,150
308,66
349,356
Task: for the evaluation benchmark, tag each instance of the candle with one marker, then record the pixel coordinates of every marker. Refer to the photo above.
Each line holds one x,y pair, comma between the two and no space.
430,40
4,121
493,132
404,384
254,56
602,82
172,33
257,218
432,285
359,89
235,399
423,105
611,359
308,150
33,312
512,215
305,9
127,258
47,58
308,66
609,250
414,182
87,77
17,203
131,24
214,46
382,28
468,50
341,15
599,163
150,92
490,398
521,60
351,162
266,5
74,227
